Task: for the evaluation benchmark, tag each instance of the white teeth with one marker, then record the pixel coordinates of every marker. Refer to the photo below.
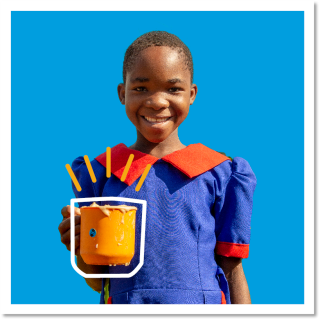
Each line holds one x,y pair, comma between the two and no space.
156,119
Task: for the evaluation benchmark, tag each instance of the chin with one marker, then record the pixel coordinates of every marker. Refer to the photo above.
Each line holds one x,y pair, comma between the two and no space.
154,137
155,140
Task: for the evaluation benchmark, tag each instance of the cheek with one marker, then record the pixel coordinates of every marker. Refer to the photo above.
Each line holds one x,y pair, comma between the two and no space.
131,109
182,112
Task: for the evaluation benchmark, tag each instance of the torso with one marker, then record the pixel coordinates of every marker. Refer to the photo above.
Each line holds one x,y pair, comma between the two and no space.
180,238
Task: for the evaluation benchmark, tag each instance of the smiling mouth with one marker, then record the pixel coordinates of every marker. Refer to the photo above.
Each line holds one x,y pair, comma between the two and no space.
156,120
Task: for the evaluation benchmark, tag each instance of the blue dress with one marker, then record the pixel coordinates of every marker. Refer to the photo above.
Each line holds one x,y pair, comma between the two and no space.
199,204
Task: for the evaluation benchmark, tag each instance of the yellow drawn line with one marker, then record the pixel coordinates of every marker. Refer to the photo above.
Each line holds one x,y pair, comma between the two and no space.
73,177
126,169
92,176
145,173
108,162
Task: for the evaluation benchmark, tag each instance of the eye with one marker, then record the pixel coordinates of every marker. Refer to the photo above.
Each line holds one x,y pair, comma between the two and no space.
140,89
175,89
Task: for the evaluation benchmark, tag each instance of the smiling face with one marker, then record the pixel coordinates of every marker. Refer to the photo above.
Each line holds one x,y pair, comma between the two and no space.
158,93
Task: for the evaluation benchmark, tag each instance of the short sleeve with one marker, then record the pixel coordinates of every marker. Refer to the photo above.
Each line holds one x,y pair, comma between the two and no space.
233,209
82,174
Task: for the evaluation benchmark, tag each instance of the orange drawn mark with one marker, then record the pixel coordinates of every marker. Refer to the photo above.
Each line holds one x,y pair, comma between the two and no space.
126,169
145,173
73,178
108,162
92,176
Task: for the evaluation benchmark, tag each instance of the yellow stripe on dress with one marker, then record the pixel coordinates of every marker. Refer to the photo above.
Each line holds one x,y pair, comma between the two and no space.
73,178
108,162
126,169
144,175
92,176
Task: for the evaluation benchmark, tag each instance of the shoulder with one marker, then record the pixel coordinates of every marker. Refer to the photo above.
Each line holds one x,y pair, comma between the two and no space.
242,166
235,166
79,166
89,187
237,172
81,171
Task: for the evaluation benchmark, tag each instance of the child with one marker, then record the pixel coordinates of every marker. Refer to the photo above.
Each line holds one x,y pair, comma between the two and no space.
199,203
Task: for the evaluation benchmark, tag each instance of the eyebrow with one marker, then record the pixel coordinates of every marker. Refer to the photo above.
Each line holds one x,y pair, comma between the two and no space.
175,80
143,79
139,79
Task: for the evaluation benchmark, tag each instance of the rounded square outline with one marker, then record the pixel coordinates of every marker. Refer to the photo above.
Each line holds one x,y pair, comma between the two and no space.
142,240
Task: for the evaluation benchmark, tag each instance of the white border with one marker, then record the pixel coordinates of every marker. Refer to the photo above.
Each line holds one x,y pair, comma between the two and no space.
142,239
165,5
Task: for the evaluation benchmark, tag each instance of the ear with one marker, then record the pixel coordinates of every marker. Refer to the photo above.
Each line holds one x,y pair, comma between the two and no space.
121,93
193,93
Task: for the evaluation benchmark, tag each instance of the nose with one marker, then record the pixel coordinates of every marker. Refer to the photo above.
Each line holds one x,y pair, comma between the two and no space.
157,101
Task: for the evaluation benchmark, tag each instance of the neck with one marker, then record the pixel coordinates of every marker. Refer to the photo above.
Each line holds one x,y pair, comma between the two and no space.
161,149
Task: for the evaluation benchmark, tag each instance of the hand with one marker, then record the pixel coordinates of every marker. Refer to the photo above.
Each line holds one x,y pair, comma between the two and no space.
64,228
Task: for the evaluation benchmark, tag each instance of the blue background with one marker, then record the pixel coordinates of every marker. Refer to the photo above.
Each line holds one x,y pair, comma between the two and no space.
65,70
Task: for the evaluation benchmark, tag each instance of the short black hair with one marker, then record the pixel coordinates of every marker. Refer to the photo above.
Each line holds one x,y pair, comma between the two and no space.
155,38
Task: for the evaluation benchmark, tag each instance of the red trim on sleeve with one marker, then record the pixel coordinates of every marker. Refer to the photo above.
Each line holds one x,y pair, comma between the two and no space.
109,300
236,250
223,298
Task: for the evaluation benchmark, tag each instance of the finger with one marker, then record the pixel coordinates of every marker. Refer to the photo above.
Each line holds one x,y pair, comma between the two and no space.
65,237
76,244
65,211
77,211
77,220
77,229
64,226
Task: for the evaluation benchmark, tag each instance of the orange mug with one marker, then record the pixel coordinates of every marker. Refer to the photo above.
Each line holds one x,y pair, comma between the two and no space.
107,234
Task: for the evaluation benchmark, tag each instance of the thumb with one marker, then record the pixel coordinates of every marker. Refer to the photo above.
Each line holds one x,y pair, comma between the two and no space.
77,211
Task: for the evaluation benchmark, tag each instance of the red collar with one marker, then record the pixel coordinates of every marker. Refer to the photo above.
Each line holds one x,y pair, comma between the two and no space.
193,160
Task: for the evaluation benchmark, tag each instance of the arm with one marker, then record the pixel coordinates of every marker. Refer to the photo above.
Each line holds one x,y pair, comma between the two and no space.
238,286
94,283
